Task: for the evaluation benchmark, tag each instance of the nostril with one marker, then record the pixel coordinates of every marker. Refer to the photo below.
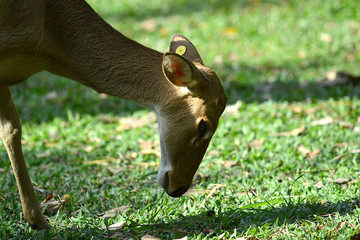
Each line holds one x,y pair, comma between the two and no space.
178,192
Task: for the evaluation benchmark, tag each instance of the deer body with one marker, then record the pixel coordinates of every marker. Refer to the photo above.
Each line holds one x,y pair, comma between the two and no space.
69,39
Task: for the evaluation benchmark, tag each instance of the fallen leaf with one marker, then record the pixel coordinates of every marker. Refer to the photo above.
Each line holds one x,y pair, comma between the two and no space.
355,151
341,181
346,125
304,151
214,190
343,144
89,148
228,163
47,153
149,237
52,206
308,153
338,227
106,161
196,191
48,198
117,226
208,231
294,132
136,122
107,119
324,121
325,37
113,212
319,185
149,25
256,143
184,238
233,109
149,147
213,153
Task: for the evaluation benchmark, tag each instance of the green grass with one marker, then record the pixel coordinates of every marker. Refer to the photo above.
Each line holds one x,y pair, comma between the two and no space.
271,55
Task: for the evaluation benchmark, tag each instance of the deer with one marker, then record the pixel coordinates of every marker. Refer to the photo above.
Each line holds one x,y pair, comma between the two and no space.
68,38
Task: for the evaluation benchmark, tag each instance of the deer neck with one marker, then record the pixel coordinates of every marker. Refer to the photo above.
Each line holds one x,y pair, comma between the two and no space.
92,52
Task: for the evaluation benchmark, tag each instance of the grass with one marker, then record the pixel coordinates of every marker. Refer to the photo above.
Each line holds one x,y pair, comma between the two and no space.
283,165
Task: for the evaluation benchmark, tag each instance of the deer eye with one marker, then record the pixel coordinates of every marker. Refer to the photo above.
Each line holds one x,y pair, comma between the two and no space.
203,127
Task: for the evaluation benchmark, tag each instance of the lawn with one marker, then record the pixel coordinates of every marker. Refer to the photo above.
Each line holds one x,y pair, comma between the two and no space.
283,164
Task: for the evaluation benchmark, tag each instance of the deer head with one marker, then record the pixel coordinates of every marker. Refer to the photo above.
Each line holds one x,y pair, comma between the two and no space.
187,122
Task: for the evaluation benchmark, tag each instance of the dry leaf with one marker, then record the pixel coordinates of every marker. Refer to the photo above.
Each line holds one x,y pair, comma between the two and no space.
47,153
341,181
234,108
149,147
325,37
117,226
343,144
52,206
304,151
184,238
324,121
106,161
294,132
107,119
228,164
153,152
319,185
214,190
314,154
89,149
149,25
308,153
114,212
196,191
136,122
256,143
338,227
149,237
346,125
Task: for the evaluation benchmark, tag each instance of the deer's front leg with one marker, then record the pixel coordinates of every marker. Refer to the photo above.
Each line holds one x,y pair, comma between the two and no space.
10,133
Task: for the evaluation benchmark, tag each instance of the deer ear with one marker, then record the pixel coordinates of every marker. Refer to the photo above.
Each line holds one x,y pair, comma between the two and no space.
181,72
182,46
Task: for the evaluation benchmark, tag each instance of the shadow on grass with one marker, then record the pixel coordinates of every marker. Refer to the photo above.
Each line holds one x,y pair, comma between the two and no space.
282,83
211,224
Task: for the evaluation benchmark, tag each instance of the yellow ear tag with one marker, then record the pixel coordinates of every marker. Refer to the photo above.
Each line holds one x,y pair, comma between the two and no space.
181,50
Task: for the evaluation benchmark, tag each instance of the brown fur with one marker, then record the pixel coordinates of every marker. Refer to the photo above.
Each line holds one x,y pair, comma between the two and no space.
67,38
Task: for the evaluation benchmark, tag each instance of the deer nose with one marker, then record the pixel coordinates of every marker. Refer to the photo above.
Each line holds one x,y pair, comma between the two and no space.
178,192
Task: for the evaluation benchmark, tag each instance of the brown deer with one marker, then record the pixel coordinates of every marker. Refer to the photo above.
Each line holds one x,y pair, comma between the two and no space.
67,38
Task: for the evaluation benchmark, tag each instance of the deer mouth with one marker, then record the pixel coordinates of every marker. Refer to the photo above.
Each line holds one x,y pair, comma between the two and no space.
178,192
